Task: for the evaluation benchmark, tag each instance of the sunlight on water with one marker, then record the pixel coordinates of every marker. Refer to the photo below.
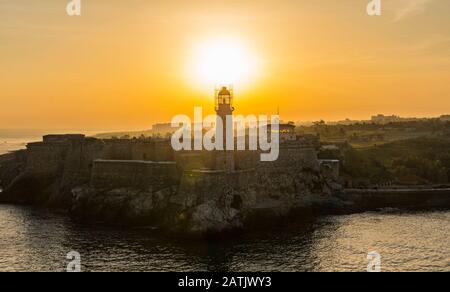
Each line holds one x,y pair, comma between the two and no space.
35,240
12,145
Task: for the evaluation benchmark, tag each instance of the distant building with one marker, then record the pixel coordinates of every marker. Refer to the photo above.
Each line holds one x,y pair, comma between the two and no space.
287,132
382,119
163,129
346,122
63,138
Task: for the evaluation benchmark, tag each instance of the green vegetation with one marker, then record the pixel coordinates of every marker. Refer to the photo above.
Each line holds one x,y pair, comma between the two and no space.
414,161
362,135
408,153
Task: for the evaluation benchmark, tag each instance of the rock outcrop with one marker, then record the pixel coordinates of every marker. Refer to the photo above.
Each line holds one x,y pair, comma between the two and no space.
208,201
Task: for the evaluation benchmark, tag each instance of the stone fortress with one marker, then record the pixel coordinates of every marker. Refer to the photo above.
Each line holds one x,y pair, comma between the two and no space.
144,181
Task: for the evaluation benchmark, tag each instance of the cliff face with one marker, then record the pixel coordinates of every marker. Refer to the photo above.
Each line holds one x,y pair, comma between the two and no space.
12,165
206,201
47,172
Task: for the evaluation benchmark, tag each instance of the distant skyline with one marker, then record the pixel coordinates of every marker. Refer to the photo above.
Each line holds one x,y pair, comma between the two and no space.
38,132
125,65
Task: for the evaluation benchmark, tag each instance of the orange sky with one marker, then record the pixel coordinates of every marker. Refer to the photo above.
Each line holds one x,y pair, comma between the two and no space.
126,64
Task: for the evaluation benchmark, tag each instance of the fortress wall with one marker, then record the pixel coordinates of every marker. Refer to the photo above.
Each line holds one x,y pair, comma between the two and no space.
63,138
191,160
46,158
117,149
158,151
224,160
110,174
79,161
200,186
163,151
304,157
148,150
246,159
294,158
143,151
216,160
73,156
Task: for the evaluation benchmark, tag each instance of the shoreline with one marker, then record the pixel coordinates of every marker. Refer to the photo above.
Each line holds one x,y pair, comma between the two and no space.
256,225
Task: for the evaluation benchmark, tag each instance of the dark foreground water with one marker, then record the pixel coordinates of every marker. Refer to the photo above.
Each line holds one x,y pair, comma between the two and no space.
36,240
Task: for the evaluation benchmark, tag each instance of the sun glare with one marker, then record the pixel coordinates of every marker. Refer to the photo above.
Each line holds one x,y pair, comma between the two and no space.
223,61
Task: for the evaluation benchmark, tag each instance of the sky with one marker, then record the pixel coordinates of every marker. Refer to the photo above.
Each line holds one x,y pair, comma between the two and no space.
124,65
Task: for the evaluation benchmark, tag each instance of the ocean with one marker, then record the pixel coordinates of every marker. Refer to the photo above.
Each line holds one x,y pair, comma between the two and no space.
33,239
12,144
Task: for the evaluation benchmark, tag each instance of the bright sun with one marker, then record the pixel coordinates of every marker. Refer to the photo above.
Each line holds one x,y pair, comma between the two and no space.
223,61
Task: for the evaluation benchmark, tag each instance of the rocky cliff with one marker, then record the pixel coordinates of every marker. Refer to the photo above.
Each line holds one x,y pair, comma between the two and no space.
206,201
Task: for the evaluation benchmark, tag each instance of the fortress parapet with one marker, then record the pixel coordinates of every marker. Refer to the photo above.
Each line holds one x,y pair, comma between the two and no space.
63,138
110,174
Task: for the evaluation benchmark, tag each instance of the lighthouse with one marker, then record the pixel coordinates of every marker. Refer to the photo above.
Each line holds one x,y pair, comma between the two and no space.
224,101
224,110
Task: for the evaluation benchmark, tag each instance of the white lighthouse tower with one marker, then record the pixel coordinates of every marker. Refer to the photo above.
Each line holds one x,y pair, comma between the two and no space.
224,110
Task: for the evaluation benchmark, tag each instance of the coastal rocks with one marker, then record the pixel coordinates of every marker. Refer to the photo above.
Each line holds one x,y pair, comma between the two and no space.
28,189
209,217
127,206
211,201
11,165
206,202
120,206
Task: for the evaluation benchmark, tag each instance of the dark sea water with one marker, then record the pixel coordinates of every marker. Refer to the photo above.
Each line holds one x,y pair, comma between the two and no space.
36,240
13,144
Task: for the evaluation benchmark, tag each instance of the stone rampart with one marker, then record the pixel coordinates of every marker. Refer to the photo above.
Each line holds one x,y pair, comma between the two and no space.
110,174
